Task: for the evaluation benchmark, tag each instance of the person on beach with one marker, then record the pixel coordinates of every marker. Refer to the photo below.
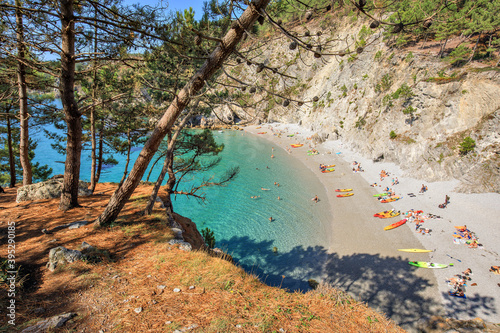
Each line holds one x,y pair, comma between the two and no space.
272,156
315,199
447,200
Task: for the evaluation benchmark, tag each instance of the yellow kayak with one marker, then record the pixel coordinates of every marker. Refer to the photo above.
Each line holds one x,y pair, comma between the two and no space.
415,250
343,190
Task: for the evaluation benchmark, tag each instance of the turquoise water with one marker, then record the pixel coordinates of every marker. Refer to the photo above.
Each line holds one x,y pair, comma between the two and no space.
241,225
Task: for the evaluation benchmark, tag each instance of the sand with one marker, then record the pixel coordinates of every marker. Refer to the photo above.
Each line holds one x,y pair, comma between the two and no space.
362,258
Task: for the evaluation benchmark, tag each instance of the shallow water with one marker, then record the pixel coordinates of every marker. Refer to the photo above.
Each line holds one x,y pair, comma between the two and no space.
241,225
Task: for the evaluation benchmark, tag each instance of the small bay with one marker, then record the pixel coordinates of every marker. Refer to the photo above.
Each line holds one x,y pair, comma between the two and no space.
275,251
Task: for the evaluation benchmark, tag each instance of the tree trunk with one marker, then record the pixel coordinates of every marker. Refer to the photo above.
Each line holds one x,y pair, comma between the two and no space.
475,47
69,195
169,187
440,54
100,153
12,165
93,156
213,63
168,165
23,99
129,145
92,115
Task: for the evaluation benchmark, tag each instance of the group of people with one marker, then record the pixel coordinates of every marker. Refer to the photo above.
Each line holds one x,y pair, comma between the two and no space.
357,167
322,167
458,282
389,191
464,235
383,174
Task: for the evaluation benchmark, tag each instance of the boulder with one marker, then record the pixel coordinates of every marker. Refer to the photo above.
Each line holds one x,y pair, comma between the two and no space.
185,246
49,189
61,255
50,323
77,224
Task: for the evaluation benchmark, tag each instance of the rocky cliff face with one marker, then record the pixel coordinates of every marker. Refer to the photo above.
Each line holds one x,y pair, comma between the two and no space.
429,106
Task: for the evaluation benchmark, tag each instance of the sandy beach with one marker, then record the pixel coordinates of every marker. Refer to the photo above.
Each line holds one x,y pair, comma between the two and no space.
362,258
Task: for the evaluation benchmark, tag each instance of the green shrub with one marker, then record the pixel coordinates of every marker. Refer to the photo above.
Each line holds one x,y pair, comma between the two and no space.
393,135
387,100
208,236
360,123
386,82
409,110
459,55
467,146
409,57
404,91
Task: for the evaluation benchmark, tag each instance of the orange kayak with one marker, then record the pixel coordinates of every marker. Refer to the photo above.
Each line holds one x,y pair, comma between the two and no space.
345,195
296,145
386,214
395,225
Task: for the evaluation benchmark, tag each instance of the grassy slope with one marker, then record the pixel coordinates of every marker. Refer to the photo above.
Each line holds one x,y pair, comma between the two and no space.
105,295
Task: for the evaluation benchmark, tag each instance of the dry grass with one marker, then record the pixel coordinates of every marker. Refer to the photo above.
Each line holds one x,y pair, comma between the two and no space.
215,295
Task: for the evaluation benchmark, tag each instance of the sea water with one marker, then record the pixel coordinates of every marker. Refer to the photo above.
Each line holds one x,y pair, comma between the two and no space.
284,251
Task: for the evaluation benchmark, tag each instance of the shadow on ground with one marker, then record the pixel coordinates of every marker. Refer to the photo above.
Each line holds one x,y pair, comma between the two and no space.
387,284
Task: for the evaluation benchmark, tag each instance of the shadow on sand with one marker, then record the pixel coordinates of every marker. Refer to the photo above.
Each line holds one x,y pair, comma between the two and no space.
387,284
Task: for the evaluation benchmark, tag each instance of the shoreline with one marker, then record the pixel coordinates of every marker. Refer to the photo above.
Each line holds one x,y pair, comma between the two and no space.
363,259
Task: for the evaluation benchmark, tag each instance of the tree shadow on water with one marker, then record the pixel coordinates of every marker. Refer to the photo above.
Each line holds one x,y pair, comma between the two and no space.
387,284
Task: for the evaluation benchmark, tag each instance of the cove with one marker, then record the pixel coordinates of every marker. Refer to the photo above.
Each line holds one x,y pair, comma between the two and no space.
300,228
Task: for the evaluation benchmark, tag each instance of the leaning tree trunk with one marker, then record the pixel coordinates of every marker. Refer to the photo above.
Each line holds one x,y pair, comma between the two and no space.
213,63
168,166
69,195
12,165
23,99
